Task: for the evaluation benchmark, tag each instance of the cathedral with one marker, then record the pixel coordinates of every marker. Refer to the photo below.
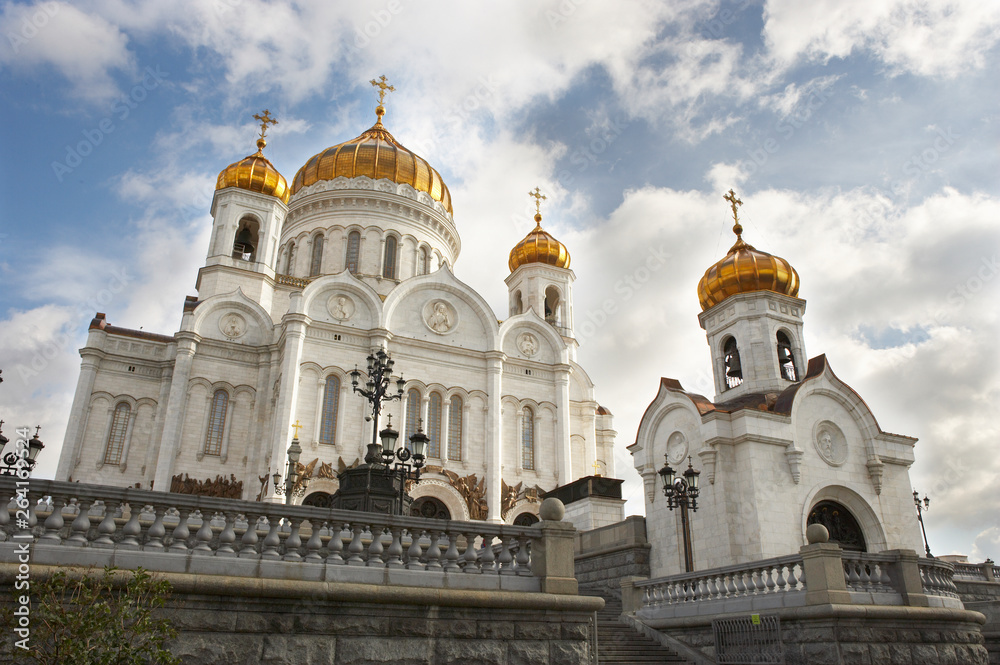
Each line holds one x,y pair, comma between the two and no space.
301,283
784,443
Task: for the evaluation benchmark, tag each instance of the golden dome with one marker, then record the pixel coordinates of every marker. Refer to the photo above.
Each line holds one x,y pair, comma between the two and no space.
256,174
378,155
745,269
538,247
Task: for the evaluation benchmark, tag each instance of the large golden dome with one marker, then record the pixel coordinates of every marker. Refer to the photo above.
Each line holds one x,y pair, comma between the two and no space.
745,269
256,174
378,155
539,247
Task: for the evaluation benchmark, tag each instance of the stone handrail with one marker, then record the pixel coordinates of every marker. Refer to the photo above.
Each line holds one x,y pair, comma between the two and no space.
780,575
868,573
986,571
937,578
100,525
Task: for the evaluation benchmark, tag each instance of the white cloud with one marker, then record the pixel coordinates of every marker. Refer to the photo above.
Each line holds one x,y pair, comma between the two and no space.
986,545
86,49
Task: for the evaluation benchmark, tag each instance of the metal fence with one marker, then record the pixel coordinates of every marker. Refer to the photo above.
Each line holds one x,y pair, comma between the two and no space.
754,639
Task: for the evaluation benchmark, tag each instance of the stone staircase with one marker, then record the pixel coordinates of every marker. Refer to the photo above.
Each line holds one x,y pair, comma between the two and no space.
618,643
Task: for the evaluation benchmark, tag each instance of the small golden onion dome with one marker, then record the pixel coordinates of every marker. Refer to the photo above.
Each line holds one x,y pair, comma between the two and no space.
538,247
745,269
256,174
378,155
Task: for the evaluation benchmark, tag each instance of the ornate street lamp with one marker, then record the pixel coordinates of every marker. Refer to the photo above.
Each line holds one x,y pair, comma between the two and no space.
922,506
12,461
295,484
376,391
682,493
397,461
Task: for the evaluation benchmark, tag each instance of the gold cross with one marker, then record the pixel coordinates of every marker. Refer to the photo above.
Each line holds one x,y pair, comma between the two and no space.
265,120
538,200
734,202
597,467
382,88
296,427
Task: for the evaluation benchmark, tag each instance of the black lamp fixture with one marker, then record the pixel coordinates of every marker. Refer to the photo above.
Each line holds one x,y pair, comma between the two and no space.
376,391
295,484
682,493
923,505
19,458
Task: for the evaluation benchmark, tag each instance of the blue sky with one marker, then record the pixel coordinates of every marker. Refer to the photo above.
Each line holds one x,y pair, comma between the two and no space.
861,136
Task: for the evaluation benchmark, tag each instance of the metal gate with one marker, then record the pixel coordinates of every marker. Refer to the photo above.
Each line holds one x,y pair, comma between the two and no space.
748,640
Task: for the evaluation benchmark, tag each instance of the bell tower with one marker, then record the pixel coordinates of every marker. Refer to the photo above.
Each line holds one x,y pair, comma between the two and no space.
540,278
752,318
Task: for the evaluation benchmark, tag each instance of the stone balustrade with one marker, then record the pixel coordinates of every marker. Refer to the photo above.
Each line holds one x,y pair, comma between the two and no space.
80,524
980,572
821,574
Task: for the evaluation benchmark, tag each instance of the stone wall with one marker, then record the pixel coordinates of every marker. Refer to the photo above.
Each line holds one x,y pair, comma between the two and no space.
859,635
607,555
984,597
225,620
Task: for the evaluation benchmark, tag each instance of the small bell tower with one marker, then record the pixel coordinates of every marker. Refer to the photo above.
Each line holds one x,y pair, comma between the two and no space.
752,318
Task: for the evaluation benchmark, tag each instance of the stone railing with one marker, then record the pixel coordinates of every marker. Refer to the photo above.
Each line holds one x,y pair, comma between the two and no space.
820,574
982,572
80,524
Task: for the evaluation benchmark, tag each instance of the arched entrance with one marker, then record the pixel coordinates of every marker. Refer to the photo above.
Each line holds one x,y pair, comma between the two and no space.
428,506
842,525
318,500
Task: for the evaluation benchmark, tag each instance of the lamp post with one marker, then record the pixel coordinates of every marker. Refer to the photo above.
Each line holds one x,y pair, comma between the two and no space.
397,461
682,493
19,457
922,506
376,391
295,484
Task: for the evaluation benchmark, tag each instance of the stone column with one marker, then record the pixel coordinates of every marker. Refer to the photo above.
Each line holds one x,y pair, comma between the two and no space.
563,453
173,424
75,427
494,385
295,334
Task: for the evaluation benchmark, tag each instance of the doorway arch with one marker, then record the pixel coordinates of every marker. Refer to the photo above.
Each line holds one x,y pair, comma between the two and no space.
843,526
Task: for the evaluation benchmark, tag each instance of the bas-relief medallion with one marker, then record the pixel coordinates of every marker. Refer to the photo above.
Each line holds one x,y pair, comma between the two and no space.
341,307
527,344
233,325
440,316
830,443
677,448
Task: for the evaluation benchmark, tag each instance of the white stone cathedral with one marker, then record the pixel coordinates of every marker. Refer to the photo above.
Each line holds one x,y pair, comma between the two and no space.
783,444
300,284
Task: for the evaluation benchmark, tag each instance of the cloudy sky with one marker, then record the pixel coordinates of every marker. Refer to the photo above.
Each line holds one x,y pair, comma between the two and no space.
861,135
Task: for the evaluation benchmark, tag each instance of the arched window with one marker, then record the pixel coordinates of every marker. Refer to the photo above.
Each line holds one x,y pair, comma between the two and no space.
434,426
245,245
389,264
734,370
843,527
516,306
528,438
353,251
216,423
412,414
455,429
431,508
425,261
331,399
552,303
116,438
316,265
786,362
290,262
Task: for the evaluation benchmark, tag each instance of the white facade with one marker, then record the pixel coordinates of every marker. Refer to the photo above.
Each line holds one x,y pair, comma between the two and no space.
769,449
348,266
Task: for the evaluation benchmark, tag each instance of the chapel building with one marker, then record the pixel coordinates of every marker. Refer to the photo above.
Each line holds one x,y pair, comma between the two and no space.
784,442
301,282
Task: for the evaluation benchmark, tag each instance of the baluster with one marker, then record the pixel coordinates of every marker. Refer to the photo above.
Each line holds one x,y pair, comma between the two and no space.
272,541
154,537
720,588
53,523
865,575
730,585
132,529
506,559
81,525
228,536
248,543
336,544
415,553
769,580
33,516
294,541
356,547
203,537
451,554
793,582
181,532
376,548
394,555
779,573
315,543
434,551
106,529
523,558
740,578
469,558
852,575
487,559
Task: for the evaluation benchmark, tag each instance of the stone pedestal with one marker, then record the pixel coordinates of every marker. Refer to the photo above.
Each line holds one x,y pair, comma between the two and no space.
369,488
591,502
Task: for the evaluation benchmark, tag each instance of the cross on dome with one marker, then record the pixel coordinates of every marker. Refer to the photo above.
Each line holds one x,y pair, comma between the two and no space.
383,87
537,194
735,202
265,119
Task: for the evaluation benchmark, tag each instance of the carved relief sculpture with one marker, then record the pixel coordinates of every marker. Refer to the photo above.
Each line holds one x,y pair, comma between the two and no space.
341,307
527,344
220,487
440,318
233,325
